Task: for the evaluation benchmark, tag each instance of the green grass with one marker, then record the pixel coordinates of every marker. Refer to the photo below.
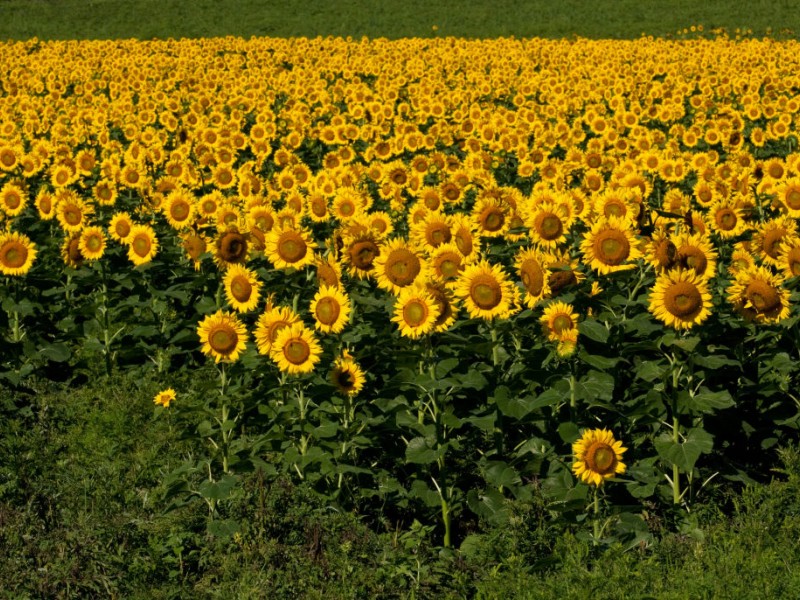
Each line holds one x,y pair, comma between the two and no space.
83,514
103,19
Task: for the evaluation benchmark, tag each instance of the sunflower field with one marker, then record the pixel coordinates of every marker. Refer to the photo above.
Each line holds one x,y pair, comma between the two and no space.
425,276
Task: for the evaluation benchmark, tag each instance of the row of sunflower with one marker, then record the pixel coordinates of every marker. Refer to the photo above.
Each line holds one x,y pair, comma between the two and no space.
582,204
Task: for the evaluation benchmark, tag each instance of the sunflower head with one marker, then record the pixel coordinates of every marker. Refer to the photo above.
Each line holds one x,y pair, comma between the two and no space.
597,457
223,336
347,376
165,397
17,253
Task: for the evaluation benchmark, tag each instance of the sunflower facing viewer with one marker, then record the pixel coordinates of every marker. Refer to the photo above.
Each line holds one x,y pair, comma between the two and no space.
598,456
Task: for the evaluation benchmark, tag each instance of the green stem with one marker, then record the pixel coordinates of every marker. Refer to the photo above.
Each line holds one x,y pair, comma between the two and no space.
498,415
676,484
226,433
16,330
596,515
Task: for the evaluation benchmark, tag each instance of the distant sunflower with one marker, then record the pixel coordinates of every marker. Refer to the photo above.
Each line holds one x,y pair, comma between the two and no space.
741,260
223,336
610,246
330,309
242,288
289,248
165,397
758,295
270,324
598,456
142,244
92,242
415,312
398,265
486,291
559,321
17,253
295,349
680,299
347,376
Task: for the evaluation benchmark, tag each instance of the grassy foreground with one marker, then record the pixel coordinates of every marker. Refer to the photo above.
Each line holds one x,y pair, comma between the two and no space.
82,514
108,19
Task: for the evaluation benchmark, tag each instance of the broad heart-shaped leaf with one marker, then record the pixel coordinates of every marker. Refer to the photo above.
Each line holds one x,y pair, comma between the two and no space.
511,404
708,402
499,474
685,455
419,452
490,505
594,330
595,385
650,370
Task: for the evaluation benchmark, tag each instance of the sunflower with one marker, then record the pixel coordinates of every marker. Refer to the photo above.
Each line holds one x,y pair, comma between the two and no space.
17,253
770,235
548,225
120,227
347,376
532,268
360,252
92,243
741,259
661,252
610,245
71,251
72,213
415,312
790,257
564,272
45,204
758,295
680,299
105,192
194,244
288,248
331,309
13,199
559,321
490,216
464,236
486,291
223,336
398,265
242,288
329,272
164,397
432,231
446,262
142,244
381,223
179,208
443,298
231,248
598,456
789,196
295,349
726,218
270,324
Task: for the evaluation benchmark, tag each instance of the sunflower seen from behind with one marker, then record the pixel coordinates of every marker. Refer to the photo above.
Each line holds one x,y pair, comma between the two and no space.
597,457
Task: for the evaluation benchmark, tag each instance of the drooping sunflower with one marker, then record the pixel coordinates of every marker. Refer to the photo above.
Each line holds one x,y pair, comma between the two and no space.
680,299
242,288
223,336
598,456
17,253
165,397
758,295
532,268
347,376
486,291
295,349
92,242
142,244
398,265
661,252
270,323
231,247
331,309
610,246
329,271
288,248
564,272
559,321
415,312
696,252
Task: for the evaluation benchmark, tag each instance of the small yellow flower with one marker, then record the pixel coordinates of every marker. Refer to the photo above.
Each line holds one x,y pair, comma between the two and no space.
163,398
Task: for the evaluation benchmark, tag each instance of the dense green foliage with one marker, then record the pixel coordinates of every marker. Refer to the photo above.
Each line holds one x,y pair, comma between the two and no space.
82,513
144,19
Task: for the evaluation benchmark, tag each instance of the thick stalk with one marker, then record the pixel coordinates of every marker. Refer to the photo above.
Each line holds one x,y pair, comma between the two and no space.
498,415
676,484
596,515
